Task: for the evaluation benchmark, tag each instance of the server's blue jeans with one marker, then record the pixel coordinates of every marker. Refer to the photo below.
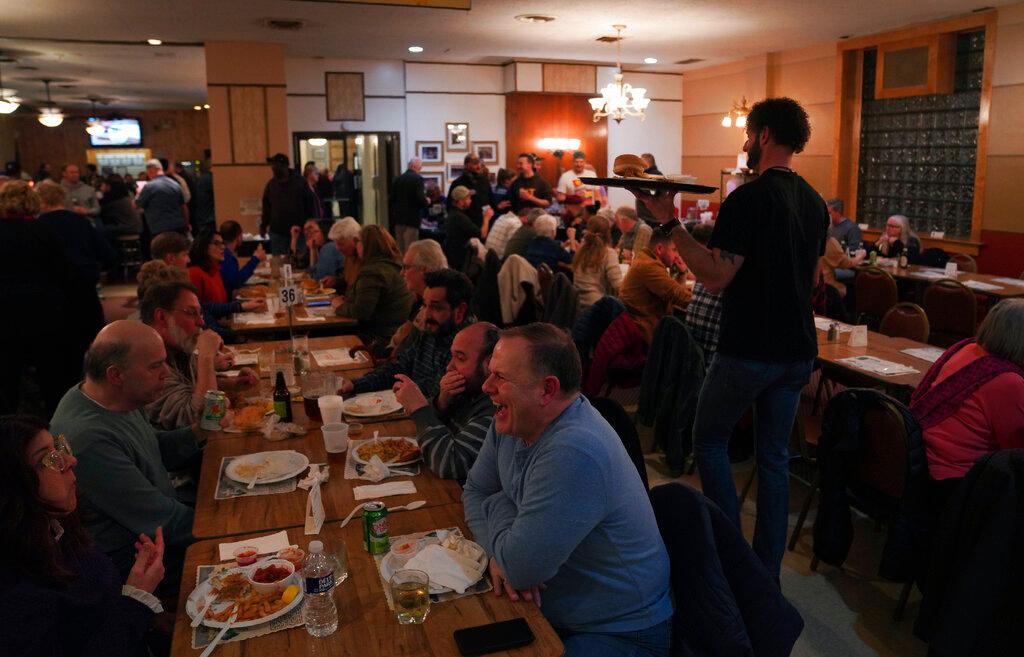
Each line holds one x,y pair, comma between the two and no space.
731,386
655,641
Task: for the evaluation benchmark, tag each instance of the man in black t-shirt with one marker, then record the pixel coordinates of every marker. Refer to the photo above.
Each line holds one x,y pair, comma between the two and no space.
529,189
762,257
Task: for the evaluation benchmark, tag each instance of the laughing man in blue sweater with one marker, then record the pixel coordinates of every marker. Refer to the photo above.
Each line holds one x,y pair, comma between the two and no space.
556,502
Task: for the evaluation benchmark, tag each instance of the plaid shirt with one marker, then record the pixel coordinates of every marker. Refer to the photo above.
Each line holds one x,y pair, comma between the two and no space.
424,362
703,316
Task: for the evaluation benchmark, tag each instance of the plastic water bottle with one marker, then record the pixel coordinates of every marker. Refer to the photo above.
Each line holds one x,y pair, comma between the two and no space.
321,615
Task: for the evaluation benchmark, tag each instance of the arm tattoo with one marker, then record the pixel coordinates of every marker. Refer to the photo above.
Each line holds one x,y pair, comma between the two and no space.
730,257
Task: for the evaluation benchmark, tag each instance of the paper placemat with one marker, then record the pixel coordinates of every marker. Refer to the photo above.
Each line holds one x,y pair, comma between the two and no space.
320,311
930,354
203,636
981,285
354,470
878,366
255,318
246,357
482,586
229,488
337,357
823,324
300,318
929,273
1009,281
264,544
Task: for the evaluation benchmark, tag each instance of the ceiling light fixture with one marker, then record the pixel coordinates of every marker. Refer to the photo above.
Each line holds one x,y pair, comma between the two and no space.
92,124
317,141
7,105
619,99
197,107
49,114
154,42
534,18
737,115
650,60
206,105
415,48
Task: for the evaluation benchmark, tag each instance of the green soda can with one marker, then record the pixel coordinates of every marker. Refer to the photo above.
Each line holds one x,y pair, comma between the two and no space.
375,528
215,404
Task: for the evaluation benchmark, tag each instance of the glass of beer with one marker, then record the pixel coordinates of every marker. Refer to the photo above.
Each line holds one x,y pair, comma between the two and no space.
312,390
410,591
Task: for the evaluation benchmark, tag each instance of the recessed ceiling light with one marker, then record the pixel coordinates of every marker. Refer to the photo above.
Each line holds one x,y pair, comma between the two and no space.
415,48
206,105
650,60
154,42
197,107
534,18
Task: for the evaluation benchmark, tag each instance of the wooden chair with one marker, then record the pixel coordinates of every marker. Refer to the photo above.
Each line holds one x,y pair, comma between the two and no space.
876,293
964,262
877,480
905,320
952,311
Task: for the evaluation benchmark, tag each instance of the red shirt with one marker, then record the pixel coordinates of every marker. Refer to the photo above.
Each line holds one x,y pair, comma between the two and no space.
991,419
209,283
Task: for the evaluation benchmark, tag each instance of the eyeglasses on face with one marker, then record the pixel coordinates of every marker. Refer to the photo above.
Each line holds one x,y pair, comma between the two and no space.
191,312
58,459
217,243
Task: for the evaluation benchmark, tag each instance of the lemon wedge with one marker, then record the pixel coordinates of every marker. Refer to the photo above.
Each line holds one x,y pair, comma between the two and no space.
289,593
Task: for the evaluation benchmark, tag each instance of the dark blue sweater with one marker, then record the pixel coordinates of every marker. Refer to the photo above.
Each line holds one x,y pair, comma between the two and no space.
235,277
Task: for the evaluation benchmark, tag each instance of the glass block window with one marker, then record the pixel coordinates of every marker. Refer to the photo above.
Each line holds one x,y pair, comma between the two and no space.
917,154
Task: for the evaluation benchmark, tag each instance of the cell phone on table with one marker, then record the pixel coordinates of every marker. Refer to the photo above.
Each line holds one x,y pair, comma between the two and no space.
314,304
503,635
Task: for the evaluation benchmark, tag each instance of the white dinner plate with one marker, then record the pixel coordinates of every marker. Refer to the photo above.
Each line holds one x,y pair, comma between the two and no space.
278,466
360,459
197,600
372,404
388,567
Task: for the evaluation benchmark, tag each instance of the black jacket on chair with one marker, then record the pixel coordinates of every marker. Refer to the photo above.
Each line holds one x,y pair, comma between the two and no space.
726,602
839,448
672,378
973,603
408,198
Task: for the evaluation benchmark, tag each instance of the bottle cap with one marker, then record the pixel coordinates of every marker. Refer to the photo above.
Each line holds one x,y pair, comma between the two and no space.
316,547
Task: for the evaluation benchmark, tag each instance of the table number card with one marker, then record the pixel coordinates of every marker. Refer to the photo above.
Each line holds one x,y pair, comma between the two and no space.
951,269
314,510
859,336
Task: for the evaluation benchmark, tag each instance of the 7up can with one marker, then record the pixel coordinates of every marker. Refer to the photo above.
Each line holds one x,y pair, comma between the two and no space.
215,405
375,528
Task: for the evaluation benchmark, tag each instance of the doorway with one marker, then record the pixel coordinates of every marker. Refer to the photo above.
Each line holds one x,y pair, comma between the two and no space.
360,165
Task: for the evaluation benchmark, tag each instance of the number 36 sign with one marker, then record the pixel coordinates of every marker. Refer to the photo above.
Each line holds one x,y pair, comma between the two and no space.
289,295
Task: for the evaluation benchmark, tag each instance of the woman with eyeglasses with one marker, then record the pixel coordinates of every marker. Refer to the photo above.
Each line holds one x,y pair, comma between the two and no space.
205,258
897,238
59,594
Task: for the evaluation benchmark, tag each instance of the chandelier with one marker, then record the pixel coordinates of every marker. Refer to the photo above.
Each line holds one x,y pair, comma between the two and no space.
619,99
93,125
49,114
737,115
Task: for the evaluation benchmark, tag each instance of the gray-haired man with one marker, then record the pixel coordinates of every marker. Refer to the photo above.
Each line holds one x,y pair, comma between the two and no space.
408,199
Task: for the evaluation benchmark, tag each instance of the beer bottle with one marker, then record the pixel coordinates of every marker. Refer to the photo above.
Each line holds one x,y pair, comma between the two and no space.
282,399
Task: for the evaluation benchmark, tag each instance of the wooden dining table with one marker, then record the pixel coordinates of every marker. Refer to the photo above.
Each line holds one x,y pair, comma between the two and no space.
273,348
366,626
304,321
923,276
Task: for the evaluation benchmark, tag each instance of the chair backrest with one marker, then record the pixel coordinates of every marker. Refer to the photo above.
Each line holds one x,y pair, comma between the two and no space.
622,423
876,292
964,262
906,320
933,257
884,463
544,276
952,311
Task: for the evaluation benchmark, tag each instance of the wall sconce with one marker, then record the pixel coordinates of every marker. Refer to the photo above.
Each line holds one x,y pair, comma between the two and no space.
737,115
558,145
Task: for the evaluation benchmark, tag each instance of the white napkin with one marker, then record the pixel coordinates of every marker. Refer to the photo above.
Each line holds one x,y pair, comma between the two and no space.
299,318
317,472
247,358
255,318
446,567
264,544
384,490
375,470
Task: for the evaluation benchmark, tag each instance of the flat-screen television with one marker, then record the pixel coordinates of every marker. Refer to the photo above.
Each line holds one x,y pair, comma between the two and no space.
117,132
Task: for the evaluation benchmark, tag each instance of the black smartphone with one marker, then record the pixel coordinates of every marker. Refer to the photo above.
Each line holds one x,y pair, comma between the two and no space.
314,304
483,639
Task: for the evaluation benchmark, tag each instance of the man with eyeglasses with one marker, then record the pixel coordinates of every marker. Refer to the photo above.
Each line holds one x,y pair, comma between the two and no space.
122,462
173,310
446,311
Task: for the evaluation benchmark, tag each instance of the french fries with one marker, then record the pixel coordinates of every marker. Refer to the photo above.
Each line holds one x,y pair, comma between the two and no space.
251,606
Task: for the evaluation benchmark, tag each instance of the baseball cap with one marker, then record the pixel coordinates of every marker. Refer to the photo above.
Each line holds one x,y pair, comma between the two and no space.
460,193
278,158
573,199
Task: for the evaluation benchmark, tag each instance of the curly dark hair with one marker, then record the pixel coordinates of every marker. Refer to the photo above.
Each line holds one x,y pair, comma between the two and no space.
25,517
785,119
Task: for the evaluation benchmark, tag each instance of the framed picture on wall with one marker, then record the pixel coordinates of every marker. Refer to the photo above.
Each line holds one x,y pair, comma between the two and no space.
456,136
434,177
455,170
431,152
487,151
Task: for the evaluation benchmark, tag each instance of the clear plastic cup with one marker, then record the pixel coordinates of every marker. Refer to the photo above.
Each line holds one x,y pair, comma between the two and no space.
335,437
330,408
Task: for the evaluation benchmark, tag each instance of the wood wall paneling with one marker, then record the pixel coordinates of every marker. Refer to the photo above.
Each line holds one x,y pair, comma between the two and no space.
529,117
570,78
345,96
248,107
176,134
